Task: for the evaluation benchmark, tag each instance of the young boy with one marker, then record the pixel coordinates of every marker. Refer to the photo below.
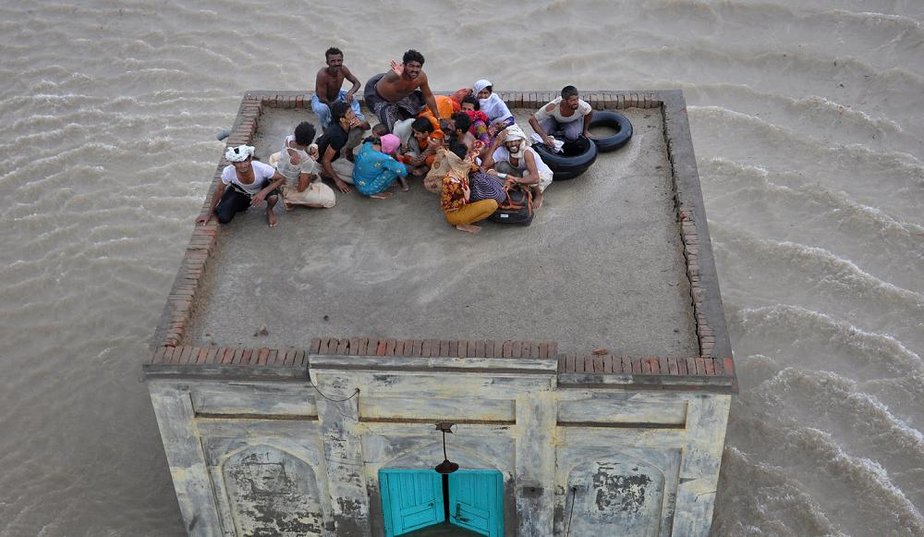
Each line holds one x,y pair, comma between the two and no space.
423,144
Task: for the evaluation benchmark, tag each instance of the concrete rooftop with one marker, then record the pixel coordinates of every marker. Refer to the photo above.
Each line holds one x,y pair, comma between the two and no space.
601,266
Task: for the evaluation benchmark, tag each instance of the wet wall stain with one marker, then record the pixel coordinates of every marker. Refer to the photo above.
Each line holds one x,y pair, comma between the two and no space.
620,493
269,492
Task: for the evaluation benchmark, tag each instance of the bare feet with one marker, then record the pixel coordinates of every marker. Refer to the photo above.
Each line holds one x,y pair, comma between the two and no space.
271,217
468,228
287,206
404,185
537,200
381,196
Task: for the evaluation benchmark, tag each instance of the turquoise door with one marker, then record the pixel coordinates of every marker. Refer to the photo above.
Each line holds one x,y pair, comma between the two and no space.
411,499
476,501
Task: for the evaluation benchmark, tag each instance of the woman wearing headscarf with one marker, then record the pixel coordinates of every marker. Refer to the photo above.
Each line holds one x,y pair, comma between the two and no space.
512,157
244,182
492,105
456,202
375,170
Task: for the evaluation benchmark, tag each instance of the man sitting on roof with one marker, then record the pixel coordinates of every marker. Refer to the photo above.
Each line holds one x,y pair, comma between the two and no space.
400,94
244,182
568,114
513,159
327,89
298,163
334,141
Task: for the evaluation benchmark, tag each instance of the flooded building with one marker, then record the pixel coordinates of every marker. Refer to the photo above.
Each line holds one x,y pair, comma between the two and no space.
368,370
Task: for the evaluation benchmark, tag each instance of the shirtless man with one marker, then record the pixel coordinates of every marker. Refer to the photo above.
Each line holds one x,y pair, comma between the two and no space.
401,93
327,89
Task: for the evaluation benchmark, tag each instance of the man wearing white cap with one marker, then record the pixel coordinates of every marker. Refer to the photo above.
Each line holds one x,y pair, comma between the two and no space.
245,182
516,162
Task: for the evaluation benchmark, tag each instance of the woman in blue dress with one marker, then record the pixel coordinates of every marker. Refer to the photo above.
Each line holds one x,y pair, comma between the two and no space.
374,169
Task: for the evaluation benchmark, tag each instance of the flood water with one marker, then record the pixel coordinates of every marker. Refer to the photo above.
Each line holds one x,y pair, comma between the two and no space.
807,121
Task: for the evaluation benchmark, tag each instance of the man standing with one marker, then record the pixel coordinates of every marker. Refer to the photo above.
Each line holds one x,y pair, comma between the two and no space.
327,89
401,93
568,113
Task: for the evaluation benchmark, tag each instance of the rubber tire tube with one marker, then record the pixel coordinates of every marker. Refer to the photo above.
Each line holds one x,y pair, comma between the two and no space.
566,167
613,120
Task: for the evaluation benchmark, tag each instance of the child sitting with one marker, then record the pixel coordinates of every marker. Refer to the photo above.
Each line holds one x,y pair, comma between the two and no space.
422,147
479,128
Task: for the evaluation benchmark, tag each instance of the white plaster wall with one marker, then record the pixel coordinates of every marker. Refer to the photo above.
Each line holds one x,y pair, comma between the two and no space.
648,461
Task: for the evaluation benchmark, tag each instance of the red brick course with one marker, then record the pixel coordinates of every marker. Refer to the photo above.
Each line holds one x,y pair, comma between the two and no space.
291,357
431,348
608,364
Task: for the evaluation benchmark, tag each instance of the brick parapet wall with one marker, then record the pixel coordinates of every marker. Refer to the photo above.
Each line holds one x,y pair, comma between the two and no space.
412,348
690,238
435,348
191,355
652,372
697,372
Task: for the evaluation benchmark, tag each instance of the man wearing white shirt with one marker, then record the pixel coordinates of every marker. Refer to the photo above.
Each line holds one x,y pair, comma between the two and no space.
568,114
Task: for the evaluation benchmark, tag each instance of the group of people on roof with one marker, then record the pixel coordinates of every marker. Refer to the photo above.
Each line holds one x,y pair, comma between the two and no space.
467,147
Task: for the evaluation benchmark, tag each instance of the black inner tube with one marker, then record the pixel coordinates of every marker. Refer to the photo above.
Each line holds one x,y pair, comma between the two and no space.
613,120
576,158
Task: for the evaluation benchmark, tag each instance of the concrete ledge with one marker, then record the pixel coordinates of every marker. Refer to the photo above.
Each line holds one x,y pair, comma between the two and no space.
493,365
648,382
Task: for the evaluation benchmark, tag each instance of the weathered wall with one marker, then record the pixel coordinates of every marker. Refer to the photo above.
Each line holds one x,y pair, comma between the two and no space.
259,457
